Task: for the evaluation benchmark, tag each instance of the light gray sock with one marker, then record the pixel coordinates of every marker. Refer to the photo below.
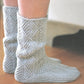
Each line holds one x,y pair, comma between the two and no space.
32,63
10,39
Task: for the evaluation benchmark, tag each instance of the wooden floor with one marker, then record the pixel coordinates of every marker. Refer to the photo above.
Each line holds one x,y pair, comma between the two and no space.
67,57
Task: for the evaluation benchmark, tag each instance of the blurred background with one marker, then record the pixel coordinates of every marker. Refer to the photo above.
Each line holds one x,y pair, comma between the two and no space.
67,17
68,11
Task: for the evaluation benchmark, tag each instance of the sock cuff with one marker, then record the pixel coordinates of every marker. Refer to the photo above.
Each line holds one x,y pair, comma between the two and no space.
10,7
32,19
10,20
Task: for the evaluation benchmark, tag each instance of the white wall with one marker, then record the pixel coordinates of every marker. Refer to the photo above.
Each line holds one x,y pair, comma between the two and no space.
70,11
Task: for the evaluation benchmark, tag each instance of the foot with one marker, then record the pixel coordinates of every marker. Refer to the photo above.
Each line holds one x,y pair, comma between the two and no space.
44,70
54,59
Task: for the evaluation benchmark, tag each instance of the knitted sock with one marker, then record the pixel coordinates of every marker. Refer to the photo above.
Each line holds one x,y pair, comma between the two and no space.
32,63
10,39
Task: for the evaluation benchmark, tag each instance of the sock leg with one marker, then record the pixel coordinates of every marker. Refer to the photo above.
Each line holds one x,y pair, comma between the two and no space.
34,9
10,39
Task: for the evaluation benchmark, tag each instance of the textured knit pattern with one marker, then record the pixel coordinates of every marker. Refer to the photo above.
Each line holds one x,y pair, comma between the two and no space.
10,39
32,63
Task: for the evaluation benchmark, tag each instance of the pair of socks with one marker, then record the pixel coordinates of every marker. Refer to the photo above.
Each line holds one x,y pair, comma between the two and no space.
25,53
10,39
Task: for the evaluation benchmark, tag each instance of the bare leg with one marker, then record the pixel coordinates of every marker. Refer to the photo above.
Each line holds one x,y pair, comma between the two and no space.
10,3
33,8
